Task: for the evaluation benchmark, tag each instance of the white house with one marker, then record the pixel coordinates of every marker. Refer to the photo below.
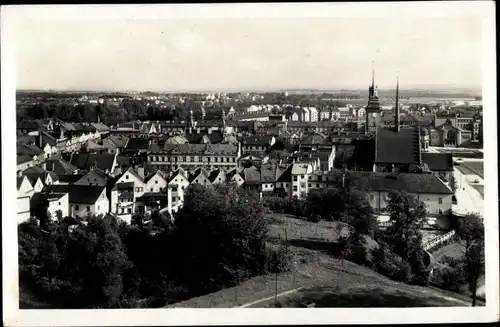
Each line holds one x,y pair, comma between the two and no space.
24,193
156,182
427,188
127,189
54,202
313,114
300,175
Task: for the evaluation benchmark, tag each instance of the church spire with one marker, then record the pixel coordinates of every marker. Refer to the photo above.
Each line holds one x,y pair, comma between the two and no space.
373,74
397,105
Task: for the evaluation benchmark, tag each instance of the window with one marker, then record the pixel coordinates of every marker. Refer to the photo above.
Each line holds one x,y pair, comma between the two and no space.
294,178
309,185
151,189
88,208
59,203
129,210
126,176
317,185
372,197
440,200
77,207
302,176
295,188
98,207
156,182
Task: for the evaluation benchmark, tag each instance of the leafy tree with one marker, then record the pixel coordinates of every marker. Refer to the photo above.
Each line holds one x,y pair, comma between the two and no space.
453,183
407,216
220,229
472,233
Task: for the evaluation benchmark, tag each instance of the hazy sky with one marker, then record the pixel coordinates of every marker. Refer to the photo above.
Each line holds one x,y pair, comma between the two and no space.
247,53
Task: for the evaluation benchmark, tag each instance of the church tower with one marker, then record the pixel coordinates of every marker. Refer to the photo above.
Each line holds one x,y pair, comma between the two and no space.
396,118
373,107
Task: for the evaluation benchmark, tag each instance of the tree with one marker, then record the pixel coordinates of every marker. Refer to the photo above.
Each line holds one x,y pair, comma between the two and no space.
472,233
221,229
453,183
407,216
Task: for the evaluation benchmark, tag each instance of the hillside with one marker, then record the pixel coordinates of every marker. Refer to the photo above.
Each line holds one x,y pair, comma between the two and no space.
320,277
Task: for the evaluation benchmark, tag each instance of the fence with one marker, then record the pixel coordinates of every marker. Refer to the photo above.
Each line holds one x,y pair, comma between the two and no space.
439,240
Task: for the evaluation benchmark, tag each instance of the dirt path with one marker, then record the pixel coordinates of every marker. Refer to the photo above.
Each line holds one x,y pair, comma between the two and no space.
246,305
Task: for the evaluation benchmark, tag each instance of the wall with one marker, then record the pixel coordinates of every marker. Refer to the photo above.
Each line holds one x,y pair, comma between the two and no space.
100,207
156,184
23,209
59,204
378,201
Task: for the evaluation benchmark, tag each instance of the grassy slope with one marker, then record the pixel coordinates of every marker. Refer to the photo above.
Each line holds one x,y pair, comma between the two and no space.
318,272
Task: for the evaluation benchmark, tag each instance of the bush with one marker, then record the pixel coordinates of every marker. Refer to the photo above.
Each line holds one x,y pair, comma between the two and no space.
450,274
278,259
386,263
351,248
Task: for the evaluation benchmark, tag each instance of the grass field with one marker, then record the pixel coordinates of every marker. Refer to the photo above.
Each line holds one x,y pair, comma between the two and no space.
358,296
317,272
454,250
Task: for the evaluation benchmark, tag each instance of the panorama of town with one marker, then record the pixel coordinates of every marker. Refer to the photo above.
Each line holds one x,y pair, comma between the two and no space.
315,164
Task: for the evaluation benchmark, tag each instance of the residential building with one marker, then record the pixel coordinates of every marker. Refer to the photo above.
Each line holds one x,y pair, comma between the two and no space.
24,193
189,156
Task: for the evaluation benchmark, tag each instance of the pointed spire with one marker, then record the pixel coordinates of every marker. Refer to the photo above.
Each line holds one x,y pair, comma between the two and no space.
397,104
373,74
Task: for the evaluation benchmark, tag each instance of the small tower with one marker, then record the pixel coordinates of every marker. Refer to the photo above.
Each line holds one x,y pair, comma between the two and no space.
396,118
191,121
373,108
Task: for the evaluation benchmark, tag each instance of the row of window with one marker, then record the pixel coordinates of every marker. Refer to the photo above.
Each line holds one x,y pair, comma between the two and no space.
191,159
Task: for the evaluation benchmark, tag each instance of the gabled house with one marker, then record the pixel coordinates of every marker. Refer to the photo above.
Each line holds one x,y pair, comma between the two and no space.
234,176
133,188
54,203
156,182
83,200
300,175
200,176
24,193
217,176
114,143
94,177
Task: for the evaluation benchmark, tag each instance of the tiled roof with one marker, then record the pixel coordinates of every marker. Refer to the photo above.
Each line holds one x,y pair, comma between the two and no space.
28,124
285,174
252,140
299,169
438,161
100,127
20,181
384,182
116,140
199,171
60,166
103,161
251,175
401,147
227,149
78,193
137,143
30,150
23,158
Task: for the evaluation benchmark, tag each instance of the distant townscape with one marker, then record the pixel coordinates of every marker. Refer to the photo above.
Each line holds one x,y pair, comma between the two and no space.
259,188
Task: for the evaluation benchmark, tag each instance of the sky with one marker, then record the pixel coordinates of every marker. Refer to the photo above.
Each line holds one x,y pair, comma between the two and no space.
193,54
